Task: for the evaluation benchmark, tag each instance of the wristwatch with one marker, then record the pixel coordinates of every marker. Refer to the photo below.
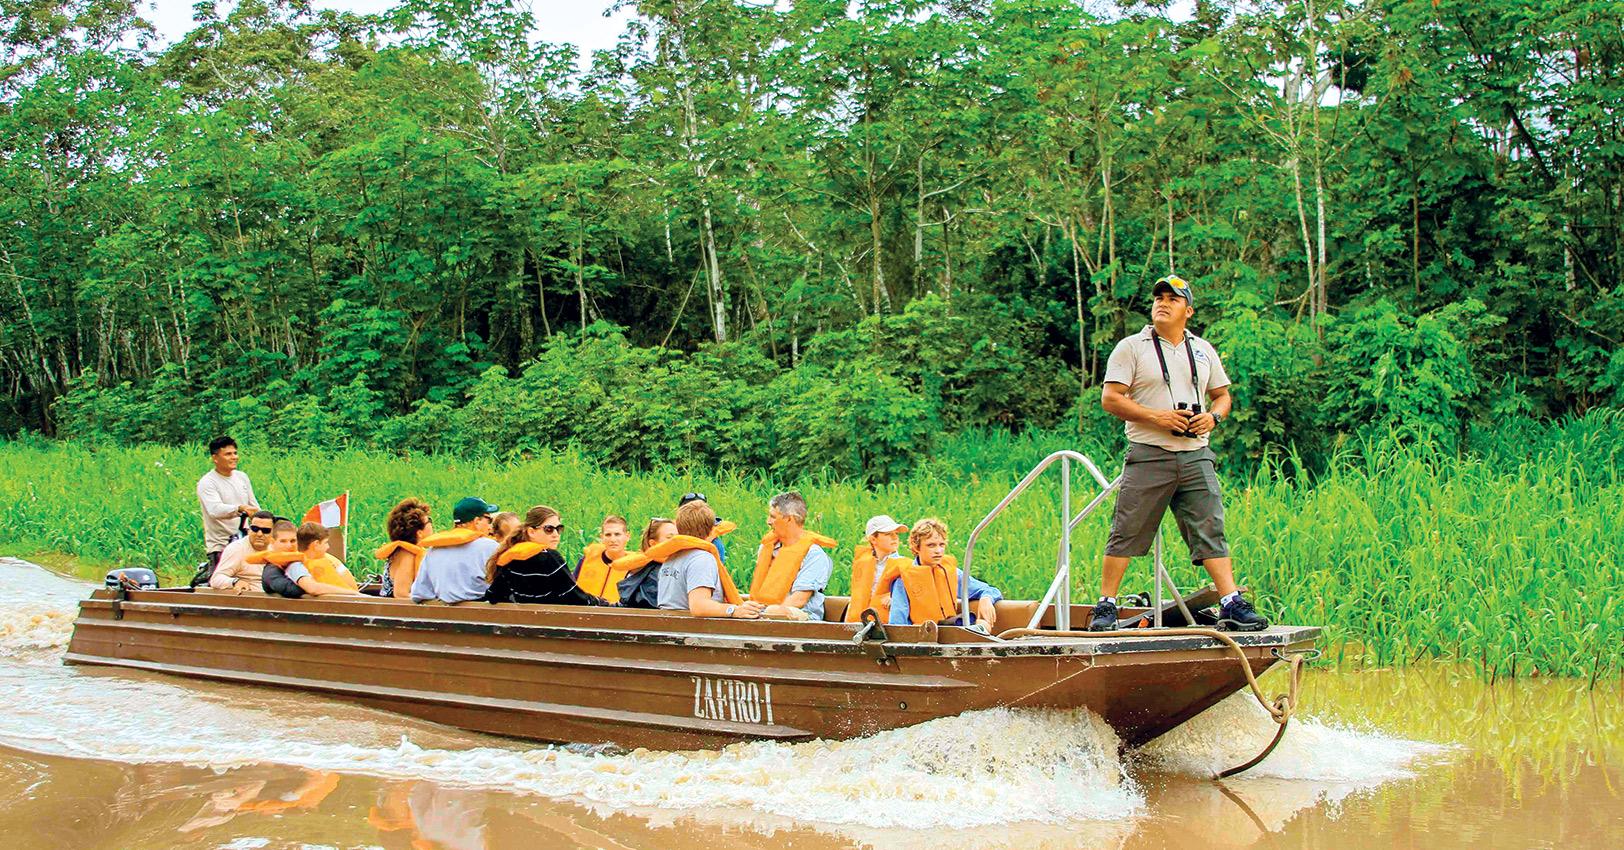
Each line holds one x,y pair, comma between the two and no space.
731,609
1216,419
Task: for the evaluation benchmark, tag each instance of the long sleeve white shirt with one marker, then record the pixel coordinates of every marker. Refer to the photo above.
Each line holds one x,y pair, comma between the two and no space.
219,497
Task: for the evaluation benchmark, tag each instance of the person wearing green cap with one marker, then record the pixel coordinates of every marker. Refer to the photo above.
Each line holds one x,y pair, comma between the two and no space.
453,568
1170,390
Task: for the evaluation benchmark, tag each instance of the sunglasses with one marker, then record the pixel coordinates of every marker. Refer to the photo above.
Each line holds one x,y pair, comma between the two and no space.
260,529
692,497
553,529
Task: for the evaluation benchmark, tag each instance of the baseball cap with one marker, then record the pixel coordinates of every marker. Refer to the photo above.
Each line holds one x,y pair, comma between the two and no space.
883,523
1176,285
472,507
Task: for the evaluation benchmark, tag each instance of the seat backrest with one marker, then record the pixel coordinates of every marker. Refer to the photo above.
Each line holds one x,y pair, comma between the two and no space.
834,608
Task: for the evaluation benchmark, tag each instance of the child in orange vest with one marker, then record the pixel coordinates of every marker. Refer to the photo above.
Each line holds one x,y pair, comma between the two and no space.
595,573
874,566
928,589
310,571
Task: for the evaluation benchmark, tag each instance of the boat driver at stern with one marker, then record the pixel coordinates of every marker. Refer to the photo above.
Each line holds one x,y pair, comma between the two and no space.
1170,389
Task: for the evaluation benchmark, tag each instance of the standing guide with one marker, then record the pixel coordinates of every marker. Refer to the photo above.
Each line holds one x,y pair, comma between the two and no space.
226,497
1169,388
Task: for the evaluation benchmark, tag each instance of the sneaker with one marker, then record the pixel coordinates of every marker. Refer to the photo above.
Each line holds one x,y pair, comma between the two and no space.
1239,616
1105,617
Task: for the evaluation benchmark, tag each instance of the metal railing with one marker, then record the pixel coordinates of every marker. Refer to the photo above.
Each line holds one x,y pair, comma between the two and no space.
1059,593
1059,589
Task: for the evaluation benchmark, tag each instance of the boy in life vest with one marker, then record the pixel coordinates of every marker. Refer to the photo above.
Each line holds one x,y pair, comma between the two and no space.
284,537
595,573
874,566
309,571
793,564
692,576
928,588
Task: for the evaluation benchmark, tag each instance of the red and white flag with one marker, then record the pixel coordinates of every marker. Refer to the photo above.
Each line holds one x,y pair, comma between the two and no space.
335,514
331,513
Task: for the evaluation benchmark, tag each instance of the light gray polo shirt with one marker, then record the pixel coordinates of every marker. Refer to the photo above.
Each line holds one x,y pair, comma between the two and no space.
454,573
685,572
1133,364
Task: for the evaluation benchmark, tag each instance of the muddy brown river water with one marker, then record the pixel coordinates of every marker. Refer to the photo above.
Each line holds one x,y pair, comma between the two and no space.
1428,756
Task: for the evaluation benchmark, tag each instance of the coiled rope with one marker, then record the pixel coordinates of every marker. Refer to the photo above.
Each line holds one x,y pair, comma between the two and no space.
1280,708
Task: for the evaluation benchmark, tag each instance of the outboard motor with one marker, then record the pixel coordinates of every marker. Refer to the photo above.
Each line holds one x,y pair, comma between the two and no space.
139,577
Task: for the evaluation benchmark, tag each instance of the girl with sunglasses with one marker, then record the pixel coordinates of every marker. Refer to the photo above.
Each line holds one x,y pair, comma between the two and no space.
527,568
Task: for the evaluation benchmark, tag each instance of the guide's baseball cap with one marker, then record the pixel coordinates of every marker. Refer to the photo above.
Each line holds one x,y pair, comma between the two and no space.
1176,285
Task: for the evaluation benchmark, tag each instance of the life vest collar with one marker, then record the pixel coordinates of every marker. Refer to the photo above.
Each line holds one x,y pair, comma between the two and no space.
520,552
450,537
385,551
663,552
776,570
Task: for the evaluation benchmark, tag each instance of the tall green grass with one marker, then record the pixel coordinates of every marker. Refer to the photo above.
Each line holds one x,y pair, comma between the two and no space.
1511,559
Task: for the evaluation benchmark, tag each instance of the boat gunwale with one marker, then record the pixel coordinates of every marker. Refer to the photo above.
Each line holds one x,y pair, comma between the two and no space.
1067,645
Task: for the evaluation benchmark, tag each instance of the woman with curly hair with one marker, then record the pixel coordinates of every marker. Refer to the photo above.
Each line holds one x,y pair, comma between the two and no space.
407,525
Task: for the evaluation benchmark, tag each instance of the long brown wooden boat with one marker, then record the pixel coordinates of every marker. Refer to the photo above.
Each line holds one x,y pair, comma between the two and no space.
667,680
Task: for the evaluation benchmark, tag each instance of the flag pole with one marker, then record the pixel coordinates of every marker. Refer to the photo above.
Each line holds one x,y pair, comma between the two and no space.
345,555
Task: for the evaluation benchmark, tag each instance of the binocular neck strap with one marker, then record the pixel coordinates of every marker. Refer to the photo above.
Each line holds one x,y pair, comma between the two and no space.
1167,378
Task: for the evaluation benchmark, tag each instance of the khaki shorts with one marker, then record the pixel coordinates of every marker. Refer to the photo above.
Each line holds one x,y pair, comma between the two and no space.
1154,479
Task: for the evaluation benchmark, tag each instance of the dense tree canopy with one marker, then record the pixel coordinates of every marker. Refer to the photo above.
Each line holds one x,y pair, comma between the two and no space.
788,233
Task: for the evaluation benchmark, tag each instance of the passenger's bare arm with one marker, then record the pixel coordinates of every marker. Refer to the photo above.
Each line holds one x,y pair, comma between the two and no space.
700,604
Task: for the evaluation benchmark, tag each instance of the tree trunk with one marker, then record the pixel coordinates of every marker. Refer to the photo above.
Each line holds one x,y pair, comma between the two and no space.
882,296
579,257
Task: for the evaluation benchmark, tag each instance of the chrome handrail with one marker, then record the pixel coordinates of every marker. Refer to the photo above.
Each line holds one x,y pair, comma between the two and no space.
1060,588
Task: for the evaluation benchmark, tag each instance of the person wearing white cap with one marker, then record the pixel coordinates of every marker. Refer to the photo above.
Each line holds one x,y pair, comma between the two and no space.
872,567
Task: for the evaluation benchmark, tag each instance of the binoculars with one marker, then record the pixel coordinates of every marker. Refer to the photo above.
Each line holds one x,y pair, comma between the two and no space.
1195,410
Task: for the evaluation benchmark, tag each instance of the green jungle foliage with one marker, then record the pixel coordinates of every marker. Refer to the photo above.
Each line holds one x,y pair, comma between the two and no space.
1509,558
805,236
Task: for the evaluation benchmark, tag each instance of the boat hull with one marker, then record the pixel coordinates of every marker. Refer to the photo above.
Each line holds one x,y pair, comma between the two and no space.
656,679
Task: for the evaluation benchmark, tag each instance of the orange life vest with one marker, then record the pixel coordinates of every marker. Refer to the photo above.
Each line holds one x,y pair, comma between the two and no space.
933,592
723,527
414,558
775,571
522,551
633,561
325,569
867,588
452,537
599,577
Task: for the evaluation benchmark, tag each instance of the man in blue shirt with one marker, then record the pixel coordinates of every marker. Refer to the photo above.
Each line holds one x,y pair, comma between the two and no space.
454,567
